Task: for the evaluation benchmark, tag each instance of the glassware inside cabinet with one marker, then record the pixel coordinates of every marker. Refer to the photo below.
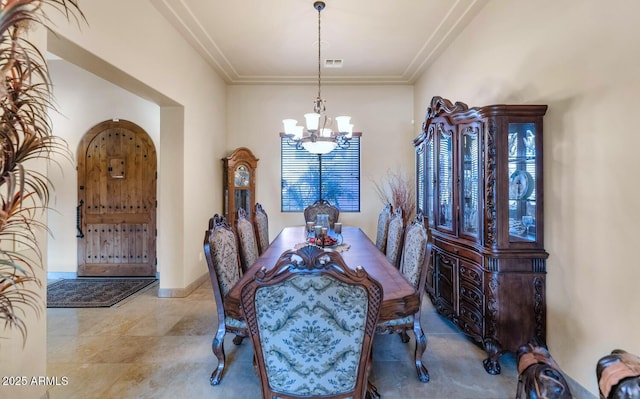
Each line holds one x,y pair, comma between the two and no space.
445,169
469,200
522,181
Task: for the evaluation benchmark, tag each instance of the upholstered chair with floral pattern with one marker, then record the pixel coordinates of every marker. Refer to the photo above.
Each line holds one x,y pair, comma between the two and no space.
416,255
393,250
247,240
221,252
311,320
321,207
261,224
383,228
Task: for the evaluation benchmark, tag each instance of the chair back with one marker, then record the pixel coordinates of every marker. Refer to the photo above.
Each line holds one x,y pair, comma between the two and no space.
221,252
416,253
539,376
393,250
311,320
321,207
247,239
383,228
261,224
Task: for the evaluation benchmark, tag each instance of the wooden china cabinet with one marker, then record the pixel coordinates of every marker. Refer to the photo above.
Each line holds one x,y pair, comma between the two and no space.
479,179
239,183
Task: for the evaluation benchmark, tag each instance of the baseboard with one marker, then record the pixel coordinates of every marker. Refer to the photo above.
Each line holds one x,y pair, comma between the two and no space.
182,292
61,275
71,275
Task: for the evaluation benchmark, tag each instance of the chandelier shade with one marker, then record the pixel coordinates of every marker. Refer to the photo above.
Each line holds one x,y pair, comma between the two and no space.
317,136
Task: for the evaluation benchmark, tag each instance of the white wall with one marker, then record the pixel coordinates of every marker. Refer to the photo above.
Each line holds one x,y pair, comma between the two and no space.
151,60
381,113
581,59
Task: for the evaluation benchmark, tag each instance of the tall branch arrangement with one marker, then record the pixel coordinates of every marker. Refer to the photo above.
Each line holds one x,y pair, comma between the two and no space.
397,189
25,135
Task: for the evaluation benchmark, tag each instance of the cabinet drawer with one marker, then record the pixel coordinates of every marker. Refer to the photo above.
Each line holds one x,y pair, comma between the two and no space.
471,273
471,296
470,320
459,251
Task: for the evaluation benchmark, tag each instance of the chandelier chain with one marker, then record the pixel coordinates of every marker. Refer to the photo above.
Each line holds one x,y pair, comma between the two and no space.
319,106
319,138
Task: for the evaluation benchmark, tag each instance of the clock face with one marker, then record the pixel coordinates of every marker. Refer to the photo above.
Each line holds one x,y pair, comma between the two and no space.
241,176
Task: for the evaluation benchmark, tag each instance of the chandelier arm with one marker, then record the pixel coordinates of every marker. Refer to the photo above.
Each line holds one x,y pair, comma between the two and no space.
344,143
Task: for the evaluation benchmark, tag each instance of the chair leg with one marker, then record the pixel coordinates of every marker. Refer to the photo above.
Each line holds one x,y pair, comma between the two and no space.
372,391
421,346
404,336
237,340
218,349
520,387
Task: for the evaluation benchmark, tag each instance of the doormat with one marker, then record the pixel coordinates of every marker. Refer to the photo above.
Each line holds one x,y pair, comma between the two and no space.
93,292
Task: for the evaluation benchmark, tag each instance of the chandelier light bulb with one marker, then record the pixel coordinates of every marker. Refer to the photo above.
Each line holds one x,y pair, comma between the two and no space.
289,126
313,120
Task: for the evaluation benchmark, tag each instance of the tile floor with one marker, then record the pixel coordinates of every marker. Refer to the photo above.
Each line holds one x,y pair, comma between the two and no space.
150,347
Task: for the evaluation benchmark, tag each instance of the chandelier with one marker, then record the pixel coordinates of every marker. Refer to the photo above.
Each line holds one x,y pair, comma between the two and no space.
319,138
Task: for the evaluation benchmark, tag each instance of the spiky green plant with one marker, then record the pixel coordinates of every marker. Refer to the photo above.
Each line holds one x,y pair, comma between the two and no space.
25,136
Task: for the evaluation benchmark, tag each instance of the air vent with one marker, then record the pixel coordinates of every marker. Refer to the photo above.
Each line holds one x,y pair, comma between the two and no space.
333,63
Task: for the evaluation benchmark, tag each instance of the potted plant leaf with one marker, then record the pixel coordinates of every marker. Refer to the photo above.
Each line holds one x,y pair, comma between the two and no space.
25,137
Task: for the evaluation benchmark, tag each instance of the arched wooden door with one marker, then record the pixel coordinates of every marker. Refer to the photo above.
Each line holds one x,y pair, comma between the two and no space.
116,201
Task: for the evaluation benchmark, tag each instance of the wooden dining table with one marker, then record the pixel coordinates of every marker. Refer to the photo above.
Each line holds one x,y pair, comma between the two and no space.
400,299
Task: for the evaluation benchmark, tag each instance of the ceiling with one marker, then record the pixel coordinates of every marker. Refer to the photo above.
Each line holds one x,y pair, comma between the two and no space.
275,42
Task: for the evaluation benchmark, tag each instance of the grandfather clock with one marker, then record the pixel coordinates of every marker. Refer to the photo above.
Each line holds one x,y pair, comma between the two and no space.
239,183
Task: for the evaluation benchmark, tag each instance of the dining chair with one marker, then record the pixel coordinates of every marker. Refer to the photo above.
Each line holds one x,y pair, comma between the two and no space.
618,375
221,252
311,320
261,224
321,207
383,228
539,376
247,240
416,256
393,248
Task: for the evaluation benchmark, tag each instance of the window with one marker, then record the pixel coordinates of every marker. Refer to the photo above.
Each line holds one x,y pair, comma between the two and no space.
306,177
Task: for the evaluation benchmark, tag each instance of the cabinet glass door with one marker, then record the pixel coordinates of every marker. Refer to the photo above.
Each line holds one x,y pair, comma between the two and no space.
469,180
243,200
430,180
445,171
420,179
522,182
